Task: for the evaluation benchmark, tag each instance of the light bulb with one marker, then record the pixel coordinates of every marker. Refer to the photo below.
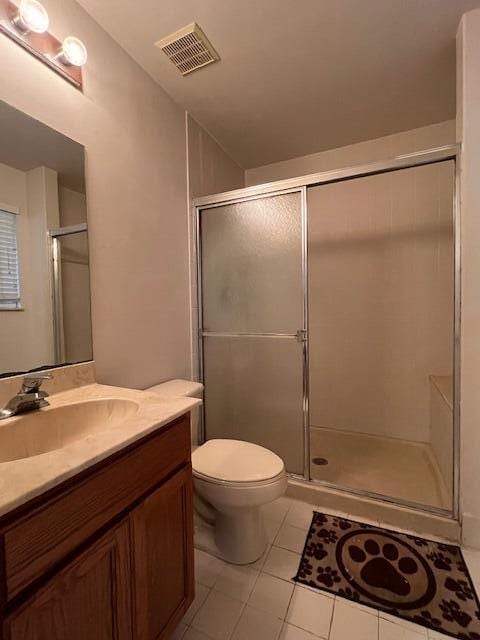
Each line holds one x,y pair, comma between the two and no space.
31,16
73,52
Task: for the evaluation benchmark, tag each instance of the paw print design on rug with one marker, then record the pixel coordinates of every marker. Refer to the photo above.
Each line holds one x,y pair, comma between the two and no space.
382,567
389,571
420,542
305,571
460,587
319,519
453,613
440,560
426,619
341,523
349,594
328,576
410,577
329,536
317,551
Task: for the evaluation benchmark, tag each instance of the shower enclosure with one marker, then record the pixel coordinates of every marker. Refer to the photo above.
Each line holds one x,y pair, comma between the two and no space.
328,325
71,293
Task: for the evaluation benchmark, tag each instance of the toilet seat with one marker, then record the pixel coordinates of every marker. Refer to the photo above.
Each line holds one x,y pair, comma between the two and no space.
236,463
232,481
229,483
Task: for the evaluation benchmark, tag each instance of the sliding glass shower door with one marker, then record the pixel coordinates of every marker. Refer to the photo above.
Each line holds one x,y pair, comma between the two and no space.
381,258
253,324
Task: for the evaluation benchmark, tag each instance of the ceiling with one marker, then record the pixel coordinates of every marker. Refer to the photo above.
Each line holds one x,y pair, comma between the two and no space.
27,144
300,76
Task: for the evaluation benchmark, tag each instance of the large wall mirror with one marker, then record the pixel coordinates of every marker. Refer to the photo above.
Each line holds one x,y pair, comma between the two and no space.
44,266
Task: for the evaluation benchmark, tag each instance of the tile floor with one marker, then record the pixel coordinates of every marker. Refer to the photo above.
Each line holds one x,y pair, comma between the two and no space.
261,602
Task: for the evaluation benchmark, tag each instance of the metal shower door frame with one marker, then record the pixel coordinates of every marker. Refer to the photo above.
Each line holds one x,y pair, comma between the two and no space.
301,184
56,280
301,335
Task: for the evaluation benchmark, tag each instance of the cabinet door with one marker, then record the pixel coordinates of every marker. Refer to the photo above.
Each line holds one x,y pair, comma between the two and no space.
162,539
89,599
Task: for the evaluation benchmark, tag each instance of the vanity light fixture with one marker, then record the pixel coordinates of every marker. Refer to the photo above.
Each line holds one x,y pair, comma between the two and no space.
73,52
31,16
26,22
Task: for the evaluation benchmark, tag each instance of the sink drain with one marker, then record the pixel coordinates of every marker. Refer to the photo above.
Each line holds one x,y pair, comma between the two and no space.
321,462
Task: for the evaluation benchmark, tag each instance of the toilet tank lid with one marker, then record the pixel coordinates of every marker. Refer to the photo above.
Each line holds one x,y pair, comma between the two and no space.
236,461
176,388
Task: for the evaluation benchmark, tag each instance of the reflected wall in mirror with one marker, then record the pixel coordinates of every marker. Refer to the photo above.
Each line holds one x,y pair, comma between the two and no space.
44,266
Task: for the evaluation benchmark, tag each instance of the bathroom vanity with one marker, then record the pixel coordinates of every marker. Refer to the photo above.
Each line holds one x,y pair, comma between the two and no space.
100,543
96,532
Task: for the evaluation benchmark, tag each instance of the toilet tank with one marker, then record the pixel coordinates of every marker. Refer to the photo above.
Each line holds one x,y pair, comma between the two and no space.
181,388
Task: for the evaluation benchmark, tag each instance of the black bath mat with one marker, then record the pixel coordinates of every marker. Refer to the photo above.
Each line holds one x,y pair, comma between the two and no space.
420,580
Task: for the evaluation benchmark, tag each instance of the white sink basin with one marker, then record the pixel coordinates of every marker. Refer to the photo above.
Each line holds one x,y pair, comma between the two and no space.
53,428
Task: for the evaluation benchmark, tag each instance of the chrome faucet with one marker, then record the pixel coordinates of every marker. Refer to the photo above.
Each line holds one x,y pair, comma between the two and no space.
29,397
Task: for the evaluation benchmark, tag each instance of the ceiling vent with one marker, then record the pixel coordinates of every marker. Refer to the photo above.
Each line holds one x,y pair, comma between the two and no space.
189,49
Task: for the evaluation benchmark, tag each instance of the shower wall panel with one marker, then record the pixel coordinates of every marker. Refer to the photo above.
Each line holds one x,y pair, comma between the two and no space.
381,280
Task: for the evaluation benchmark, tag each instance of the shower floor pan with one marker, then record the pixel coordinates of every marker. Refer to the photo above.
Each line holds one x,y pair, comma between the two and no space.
399,469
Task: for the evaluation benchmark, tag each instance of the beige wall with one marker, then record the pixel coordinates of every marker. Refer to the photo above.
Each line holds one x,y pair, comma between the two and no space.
380,300
397,144
468,101
134,136
26,336
73,207
210,169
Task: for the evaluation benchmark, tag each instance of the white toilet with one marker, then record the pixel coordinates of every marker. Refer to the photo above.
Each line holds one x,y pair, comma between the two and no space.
232,480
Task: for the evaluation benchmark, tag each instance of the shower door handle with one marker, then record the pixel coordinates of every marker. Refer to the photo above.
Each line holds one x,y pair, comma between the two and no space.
301,335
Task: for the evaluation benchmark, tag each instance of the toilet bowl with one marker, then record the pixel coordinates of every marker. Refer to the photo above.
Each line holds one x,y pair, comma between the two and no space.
232,480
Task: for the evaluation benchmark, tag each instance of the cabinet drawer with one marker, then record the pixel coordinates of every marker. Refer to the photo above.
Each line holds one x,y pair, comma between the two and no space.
34,543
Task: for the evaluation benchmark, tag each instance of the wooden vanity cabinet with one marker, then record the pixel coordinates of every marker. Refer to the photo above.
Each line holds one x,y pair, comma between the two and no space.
132,578
162,555
89,598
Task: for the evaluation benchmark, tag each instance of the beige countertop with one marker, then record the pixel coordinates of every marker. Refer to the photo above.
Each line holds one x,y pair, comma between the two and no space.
21,480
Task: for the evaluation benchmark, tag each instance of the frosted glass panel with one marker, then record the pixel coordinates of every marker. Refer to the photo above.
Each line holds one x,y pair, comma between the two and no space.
381,311
253,392
252,266
75,297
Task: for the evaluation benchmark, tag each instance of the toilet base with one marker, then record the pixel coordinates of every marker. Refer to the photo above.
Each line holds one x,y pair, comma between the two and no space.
205,537
241,536
238,538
